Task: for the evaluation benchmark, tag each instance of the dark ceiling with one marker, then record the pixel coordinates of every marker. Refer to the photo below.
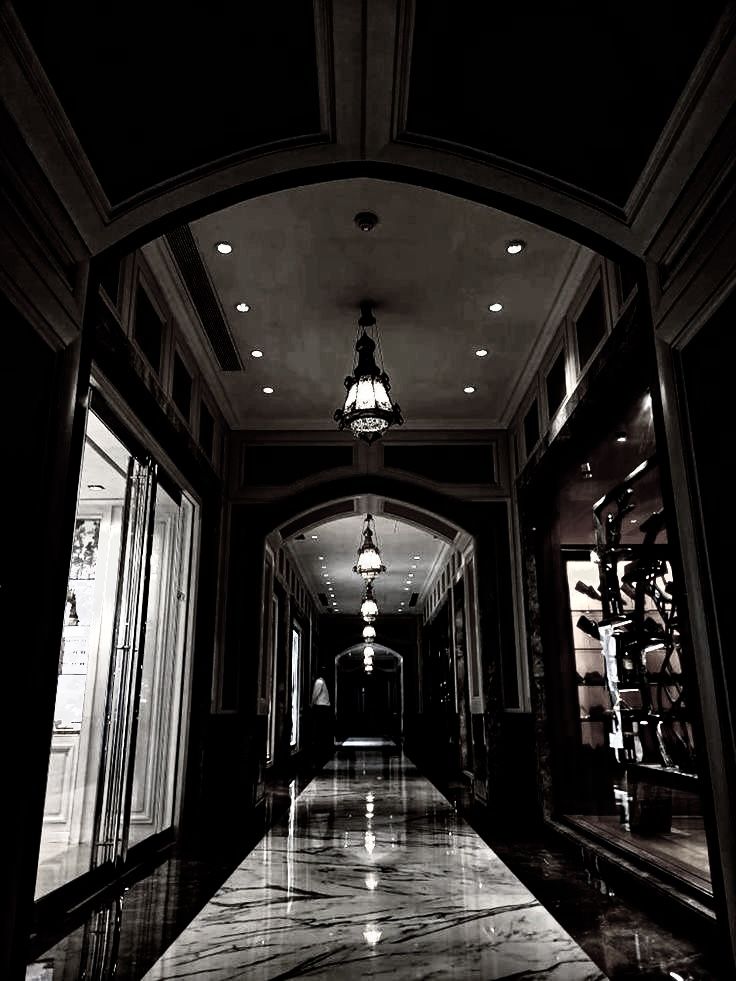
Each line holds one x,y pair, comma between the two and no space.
154,90
579,91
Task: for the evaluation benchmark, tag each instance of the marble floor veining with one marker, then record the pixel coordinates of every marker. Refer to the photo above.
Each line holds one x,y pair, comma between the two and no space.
373,874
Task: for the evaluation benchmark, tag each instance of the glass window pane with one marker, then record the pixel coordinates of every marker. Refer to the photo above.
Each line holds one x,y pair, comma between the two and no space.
296,650
181,387
66,841
531,427
148,329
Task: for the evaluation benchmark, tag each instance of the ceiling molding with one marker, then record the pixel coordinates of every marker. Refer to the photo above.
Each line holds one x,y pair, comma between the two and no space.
576,272
205,301
168,277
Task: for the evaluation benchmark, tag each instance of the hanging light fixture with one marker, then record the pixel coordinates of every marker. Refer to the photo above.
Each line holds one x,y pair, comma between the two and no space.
369,608
369,563
368,410
369,633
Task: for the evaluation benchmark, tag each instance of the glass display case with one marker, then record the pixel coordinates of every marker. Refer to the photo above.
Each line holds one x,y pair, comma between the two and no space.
628,741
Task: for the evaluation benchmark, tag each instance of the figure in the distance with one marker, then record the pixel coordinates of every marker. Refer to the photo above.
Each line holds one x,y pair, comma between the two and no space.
322,738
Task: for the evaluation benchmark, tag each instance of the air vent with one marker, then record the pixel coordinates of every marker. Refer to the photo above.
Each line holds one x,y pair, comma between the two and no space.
323,599
414,598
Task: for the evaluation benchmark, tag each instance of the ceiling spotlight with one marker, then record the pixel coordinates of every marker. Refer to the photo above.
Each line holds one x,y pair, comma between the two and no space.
268,390
321,558
416,556
314,537
515,246
242,307
481,352
468,389
366,220
621,437
369,563
496,307
224,248
368,410
256,354
406,589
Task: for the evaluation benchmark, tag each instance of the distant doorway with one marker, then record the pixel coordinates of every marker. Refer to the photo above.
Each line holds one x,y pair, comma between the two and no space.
369,704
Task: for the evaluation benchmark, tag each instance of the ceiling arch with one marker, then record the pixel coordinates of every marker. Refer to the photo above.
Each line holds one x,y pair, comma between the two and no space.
188,115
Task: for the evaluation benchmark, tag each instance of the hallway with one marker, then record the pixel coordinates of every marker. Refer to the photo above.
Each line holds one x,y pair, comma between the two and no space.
373,874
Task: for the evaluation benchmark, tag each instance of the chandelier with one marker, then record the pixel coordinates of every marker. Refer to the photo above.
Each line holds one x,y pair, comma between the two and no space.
369,557
369,608
368,410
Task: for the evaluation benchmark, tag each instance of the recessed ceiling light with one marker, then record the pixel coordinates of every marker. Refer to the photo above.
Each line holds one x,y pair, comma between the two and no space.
515,246
224,248
621,437
406,589
256,354
321,557
268,390
468,389
242,307
416,556
413,567
496,307
481,352
634,521
314,537
408,582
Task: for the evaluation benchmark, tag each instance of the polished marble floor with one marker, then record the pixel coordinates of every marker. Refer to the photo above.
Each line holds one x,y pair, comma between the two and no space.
372,873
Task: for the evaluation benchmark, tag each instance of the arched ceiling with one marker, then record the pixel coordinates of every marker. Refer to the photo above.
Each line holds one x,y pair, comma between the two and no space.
326,554
433,265
138,110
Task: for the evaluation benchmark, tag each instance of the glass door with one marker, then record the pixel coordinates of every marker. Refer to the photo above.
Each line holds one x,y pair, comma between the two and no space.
125,672
159,703
115,741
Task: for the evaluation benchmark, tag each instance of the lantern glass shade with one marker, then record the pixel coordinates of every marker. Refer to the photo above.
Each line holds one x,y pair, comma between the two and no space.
369,562
369,633
367,410
369,610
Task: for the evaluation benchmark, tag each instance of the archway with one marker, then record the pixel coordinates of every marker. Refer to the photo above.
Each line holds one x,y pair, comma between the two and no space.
369,703
473,662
